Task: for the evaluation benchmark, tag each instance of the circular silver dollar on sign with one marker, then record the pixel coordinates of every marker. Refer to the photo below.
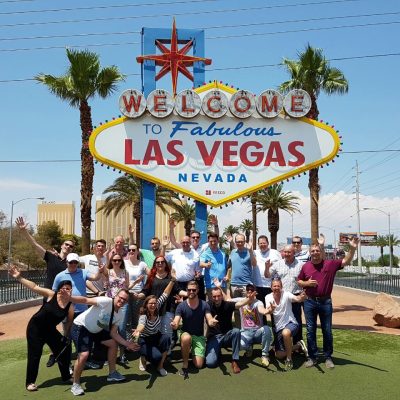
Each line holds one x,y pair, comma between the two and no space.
132,103
242,104
297,103
160,103
269,103
215,104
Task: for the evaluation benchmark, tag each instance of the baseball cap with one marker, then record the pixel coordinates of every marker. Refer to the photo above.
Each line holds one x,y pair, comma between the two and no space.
72,257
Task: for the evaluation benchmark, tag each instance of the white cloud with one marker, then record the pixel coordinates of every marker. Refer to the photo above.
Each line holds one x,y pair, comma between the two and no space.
16,184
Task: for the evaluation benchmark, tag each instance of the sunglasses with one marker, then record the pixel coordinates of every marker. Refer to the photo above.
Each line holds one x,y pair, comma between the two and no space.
159,262
195,237
132,250
296,242
71,246
191,290
117,260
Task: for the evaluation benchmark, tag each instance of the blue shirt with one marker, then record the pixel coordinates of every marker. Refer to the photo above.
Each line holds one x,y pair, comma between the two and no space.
78,279
241,267
217,269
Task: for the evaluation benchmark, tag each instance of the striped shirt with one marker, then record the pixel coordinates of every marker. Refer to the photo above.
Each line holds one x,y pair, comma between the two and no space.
152,327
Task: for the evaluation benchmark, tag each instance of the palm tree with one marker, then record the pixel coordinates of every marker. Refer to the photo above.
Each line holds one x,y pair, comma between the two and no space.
84,80
187,213
272,199
394,241
126,191
231,230
313,73
247,226
381,242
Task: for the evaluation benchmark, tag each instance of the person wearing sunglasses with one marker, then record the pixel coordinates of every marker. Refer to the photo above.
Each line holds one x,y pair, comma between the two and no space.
137,271
192,312
117,278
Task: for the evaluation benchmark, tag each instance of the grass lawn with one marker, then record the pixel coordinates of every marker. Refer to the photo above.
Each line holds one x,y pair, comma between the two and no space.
367,366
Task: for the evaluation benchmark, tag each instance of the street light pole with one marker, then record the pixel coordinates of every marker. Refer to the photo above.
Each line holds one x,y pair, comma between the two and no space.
13,203
390,236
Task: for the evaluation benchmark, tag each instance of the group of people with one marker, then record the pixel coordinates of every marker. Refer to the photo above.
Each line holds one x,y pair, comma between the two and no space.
147,300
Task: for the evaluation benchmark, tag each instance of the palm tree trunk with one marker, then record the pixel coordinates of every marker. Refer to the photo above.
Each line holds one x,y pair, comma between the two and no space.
87,173
383,264
313,181
136,216
188,227
254,218
273,227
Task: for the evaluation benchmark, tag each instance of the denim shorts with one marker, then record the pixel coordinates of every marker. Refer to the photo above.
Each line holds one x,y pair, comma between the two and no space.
279,344
83,339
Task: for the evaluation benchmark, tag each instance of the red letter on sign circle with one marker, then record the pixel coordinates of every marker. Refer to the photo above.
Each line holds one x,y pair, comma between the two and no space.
211,109
297,102
135,102
236,104
160,103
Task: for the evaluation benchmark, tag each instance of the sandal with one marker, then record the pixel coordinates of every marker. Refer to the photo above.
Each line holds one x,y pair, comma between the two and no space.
31,387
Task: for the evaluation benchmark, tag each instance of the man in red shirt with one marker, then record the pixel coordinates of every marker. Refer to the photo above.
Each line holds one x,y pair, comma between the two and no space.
317,277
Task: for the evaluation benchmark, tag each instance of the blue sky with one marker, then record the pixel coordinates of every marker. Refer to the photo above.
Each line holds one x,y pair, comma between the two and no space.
360,37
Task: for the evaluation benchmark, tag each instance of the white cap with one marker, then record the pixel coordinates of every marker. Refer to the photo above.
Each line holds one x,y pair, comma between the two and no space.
72,257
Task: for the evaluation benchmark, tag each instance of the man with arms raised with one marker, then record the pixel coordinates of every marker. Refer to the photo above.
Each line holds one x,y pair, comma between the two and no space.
317,277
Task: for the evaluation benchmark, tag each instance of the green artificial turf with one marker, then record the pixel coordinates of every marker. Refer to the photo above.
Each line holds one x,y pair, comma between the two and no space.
367,366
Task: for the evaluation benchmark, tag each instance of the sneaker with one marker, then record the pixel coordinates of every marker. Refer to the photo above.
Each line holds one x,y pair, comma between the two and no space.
76,389
51,361
235,367
303,347
249,351
185,373
122,360
265,361
310,363
162,372
329,363
115,377
288,365
91,365
142,364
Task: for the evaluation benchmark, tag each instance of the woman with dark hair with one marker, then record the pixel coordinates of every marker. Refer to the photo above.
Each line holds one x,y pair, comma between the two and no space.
117,278
42,328
153,344
157,280
137,271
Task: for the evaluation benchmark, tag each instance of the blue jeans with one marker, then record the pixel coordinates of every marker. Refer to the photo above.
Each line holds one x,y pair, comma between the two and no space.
261,335
312,309
214,344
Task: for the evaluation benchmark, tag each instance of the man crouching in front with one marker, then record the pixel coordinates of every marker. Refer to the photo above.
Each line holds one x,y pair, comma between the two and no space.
99,324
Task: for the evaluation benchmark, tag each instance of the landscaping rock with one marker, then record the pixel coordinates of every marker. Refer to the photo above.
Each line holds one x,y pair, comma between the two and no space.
386,311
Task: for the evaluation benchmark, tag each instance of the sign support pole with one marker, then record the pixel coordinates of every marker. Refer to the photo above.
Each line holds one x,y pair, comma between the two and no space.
148,191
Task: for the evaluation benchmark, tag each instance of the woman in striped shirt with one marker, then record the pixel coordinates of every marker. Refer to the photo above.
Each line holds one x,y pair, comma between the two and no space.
153,344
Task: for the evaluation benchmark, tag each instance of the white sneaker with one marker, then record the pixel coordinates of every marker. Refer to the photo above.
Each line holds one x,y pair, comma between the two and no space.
142,366
76,389
162,372
303,347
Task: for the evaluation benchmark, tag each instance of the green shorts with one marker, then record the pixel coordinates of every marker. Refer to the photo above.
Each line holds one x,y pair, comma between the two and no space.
198,344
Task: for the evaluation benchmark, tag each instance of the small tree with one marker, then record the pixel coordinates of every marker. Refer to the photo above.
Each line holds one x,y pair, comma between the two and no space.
49,234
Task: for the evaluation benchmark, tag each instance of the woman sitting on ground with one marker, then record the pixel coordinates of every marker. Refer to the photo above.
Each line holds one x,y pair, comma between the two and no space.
42,328
153,344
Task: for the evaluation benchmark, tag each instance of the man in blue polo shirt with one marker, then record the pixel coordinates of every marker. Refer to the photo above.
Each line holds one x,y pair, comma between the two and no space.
78,277
213,261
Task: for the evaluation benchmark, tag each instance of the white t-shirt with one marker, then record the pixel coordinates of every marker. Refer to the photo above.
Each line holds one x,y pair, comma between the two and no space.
283,312
92,266
258,273
184,263
97,318
134,272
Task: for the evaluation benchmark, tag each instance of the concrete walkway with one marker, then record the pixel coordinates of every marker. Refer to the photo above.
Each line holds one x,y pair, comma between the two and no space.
352,310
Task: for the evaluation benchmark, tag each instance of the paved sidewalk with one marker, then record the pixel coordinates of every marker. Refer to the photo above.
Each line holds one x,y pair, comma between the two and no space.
352,310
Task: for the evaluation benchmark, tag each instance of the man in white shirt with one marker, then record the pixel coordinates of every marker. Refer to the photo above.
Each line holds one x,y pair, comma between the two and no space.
288,270
99,324
185,262
93,262
263,254
279,303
